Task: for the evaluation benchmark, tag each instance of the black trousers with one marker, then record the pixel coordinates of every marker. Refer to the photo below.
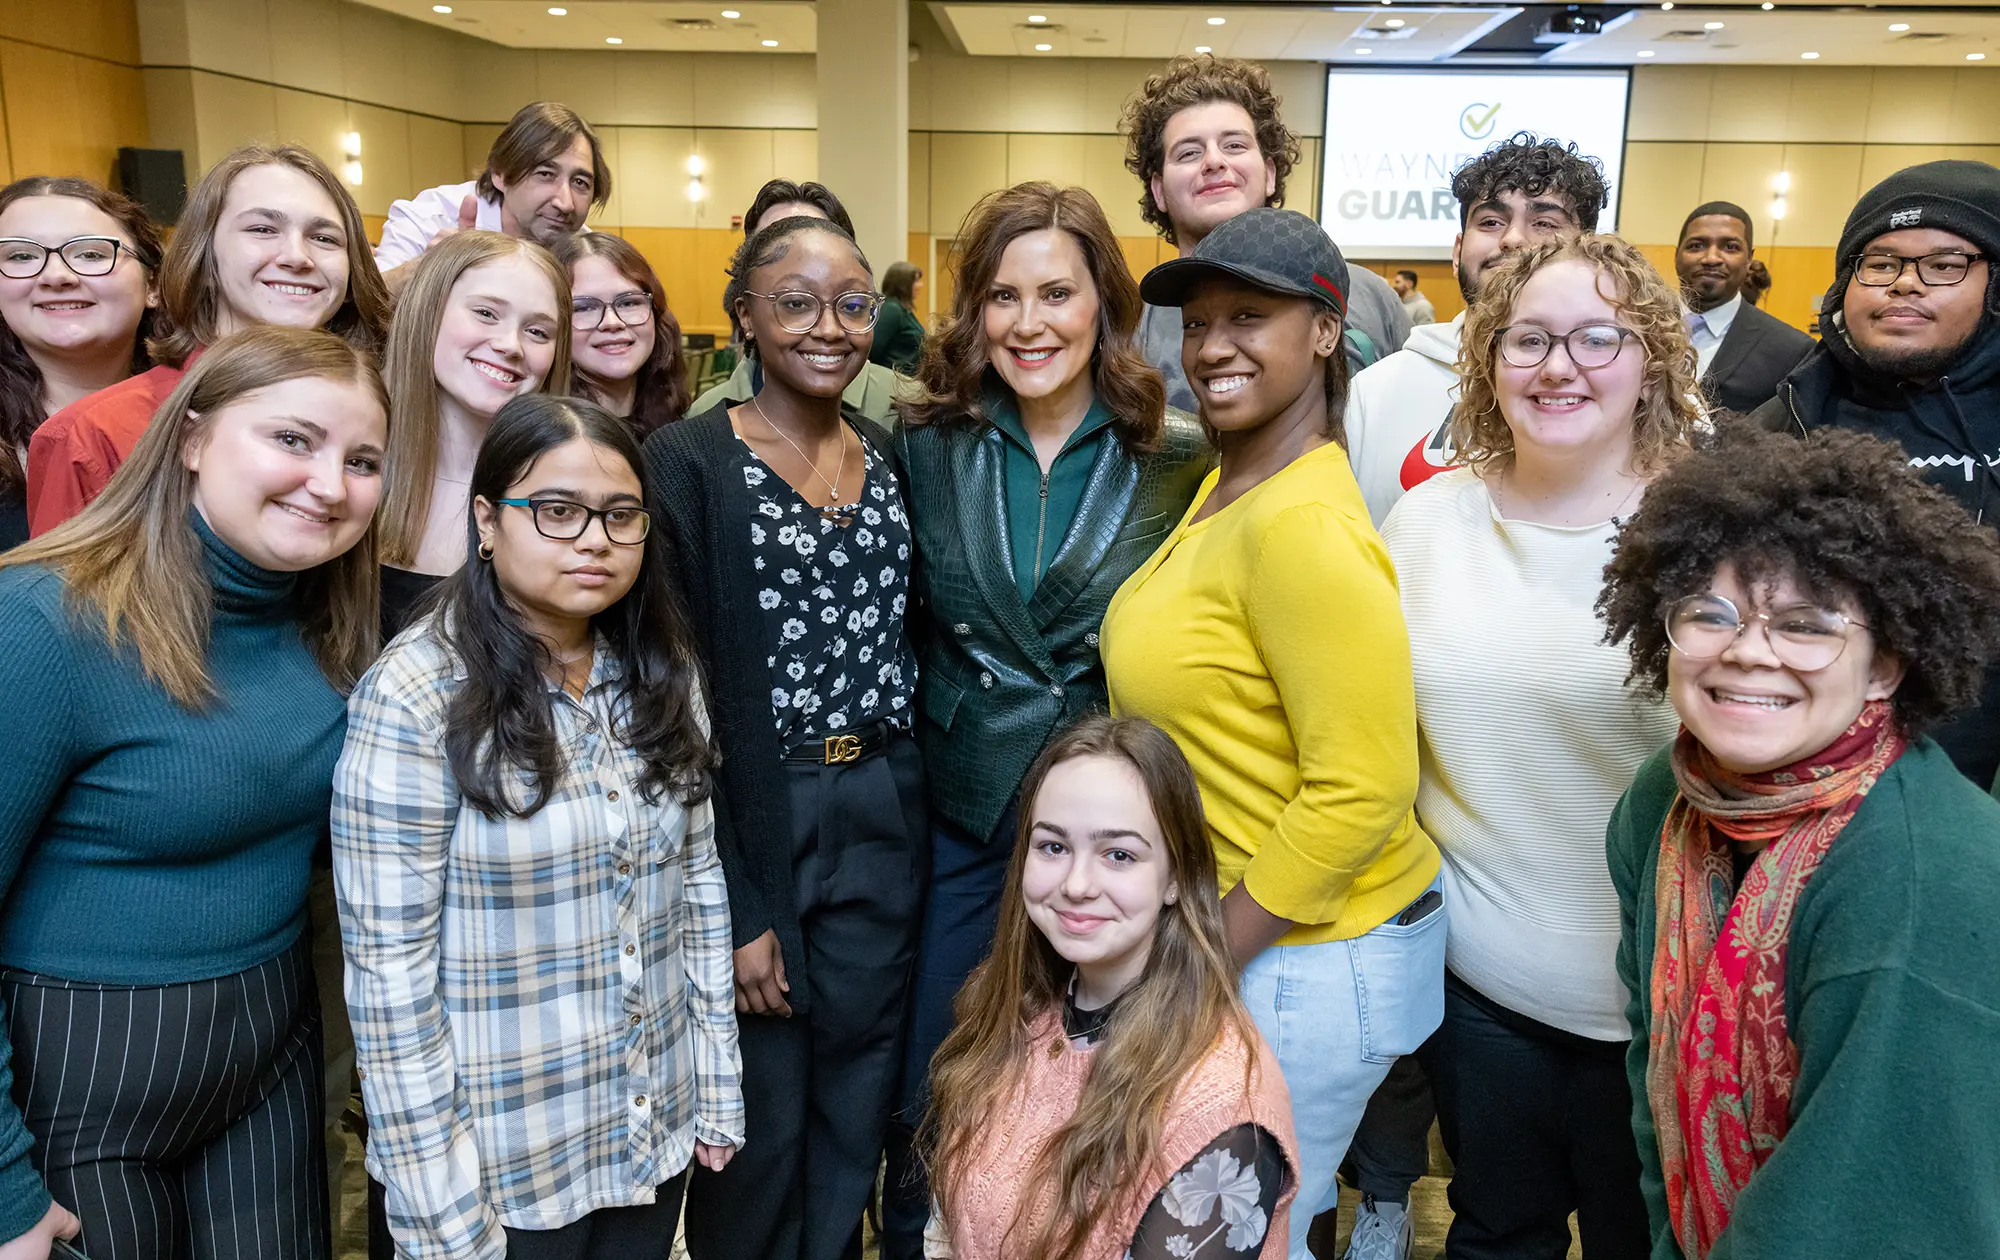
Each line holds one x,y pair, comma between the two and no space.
1392,1148
183,1121
644,1232
818,1086
1538,1123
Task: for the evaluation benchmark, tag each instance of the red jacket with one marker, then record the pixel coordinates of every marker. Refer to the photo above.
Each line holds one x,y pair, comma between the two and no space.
72,455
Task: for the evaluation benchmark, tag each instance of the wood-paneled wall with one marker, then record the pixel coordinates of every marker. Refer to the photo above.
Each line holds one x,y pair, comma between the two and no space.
70,88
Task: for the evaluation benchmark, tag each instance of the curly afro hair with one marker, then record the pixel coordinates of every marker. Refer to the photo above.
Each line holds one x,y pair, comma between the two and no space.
1531,166
1842,515
1184,83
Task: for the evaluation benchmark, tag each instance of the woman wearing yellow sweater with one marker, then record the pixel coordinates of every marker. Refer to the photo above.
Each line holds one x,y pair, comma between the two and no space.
1266,636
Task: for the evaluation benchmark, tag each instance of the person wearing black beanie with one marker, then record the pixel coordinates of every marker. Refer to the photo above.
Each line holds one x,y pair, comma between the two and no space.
1910,351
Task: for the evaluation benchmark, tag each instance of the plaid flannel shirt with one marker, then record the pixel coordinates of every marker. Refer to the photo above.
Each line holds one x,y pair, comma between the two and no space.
543,1007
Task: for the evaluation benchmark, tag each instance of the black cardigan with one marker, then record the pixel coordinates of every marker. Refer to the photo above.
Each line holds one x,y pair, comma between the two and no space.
705,510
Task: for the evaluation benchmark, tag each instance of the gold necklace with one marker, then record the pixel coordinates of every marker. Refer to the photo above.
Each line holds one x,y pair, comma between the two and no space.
830,512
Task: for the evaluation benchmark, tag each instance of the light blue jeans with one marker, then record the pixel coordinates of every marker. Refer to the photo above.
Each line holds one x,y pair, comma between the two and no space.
1337,1016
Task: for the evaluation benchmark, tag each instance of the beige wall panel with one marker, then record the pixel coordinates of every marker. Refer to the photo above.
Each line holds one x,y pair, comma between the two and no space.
655,89
918,87
1057,159
1302,190
738,163
920,184
495,83
227,113
1825,104
1749,102
44,110
321,123
1301,85
1975,108
1670,103
1879,161
306,36
105,29
431,57
585,81
964,168
1910,105
385,158
969,94
1826,180
163,33
114,113
1115,188
752,90
170,120
1108,83
608,141
1661,184
1046,96
793,99
232,36
478,141
373,62
651,178
795,156
437,153
1740,173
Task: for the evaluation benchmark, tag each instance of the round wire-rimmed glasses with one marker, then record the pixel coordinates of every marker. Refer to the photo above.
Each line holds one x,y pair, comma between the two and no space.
1804,637
798,311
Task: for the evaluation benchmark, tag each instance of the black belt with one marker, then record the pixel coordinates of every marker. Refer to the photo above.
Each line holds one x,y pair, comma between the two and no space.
858,744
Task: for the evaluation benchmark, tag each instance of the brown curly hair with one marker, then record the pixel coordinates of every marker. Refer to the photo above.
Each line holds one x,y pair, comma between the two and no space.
1670,411
1183,84
1841,514
955,368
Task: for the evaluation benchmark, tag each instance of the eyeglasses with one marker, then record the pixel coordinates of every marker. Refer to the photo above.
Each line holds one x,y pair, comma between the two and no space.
586,314
23,259
565,521
799,311
1803,636
1879,271
1591,346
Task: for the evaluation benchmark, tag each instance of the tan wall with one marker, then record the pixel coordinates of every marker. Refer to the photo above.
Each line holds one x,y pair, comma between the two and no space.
70,88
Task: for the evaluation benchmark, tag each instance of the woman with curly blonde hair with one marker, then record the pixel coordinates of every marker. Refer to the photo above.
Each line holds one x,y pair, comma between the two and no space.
1578,391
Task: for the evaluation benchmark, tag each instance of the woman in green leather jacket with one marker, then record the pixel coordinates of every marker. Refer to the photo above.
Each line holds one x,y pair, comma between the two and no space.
1042,467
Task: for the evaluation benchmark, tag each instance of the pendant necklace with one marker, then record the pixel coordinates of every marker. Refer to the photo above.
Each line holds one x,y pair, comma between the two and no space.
829,512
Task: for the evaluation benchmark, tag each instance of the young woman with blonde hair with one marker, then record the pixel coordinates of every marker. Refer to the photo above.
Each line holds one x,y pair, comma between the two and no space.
484,320
172,663
1105,1092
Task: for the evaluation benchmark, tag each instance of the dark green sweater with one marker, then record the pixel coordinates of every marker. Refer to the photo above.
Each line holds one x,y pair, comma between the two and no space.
1892,995
141,843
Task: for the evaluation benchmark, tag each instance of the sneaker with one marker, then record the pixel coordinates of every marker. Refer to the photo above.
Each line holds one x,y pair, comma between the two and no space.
1382,1231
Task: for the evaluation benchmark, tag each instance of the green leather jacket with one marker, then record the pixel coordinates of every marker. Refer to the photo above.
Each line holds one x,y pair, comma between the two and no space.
999,676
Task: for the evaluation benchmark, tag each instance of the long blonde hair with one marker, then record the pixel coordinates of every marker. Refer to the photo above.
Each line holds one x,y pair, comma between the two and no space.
1181,1008
411,373
1668,411
132,558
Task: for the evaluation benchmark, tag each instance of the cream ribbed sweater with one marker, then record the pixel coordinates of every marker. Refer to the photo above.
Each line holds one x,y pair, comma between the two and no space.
1528,735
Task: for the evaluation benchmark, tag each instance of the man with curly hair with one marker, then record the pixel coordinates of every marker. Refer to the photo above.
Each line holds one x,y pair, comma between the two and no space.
1519,192
1205,140
1911,352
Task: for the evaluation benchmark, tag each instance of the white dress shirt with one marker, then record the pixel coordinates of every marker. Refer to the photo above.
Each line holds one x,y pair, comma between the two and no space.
1708,328
413,223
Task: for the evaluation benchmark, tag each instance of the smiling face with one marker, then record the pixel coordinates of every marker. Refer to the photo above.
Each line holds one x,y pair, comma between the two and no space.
1041,316
614,350
1500,225
497,339
1213,169
554,583
1909,328
1559,409
1753,712
825,359
1096,875
280,251
1251,354
554,198
1713,260
60,314
288,475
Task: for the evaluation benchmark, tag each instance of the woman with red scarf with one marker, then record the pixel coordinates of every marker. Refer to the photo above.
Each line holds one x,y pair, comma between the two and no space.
1808,886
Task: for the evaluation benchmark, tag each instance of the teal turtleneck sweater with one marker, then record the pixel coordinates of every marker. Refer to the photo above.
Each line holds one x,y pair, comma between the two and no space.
142,843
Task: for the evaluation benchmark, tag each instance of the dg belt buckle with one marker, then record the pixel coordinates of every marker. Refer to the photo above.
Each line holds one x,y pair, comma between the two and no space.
841,749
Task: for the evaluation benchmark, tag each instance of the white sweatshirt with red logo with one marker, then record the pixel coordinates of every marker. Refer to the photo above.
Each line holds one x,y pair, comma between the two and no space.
1396,413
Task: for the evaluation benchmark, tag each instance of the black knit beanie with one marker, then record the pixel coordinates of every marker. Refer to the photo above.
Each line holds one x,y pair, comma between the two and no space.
1954,196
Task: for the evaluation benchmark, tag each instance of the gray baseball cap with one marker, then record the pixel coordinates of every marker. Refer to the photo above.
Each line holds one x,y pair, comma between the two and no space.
1279,250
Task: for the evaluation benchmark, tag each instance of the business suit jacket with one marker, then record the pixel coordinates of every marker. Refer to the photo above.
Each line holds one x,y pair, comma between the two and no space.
998,675
1759,351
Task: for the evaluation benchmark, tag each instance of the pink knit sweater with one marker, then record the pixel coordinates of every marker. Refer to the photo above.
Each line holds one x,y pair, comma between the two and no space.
1210,1101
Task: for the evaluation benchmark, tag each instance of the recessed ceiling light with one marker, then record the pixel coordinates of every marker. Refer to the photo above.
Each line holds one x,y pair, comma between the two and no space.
1044,47
1809,56
770,43
1899,27
558,11
613,39
1975,56
1711,26
440,8
1202,48
1364,52
1645,52
731,14
1667,4
1038,17
1395,24
1767,6
1217,21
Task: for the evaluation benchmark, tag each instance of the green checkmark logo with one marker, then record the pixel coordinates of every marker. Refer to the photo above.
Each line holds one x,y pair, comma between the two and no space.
1477,120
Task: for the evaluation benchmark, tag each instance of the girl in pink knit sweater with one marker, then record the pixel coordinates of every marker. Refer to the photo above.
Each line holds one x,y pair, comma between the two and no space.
1104,1093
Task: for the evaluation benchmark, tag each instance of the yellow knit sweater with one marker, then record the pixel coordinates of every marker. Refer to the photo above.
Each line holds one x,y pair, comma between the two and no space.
1269,642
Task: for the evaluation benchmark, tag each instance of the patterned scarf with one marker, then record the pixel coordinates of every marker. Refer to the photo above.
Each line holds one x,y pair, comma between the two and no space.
1722,1066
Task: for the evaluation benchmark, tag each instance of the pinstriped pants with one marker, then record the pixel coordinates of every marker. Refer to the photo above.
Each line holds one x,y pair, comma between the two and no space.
179,1122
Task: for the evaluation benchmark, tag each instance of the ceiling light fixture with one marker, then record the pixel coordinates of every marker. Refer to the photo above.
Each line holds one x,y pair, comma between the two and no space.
613,39
1666,6
1038,18
1645,52
1364,52
1202,48
1395,24
1975,56
1899,27
1767,6
731,14
440,8
558,11
769,43
1711,26
1044,47
1808,56
1217,21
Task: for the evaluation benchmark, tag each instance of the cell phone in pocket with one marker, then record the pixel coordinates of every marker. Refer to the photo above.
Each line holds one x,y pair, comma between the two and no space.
60,1249
1420,909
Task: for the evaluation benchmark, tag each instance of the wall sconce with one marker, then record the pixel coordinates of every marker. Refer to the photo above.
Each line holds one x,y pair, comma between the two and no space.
1778,208
352,173
695,191
1781,183
350,144
695,165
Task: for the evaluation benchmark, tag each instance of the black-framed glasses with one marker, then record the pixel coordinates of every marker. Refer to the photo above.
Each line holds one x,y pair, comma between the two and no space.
23,259
565,521
1804,637
1880,270
799,311
1591,346
586,314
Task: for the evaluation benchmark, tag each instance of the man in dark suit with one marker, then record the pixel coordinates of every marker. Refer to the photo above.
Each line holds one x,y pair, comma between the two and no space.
1742,353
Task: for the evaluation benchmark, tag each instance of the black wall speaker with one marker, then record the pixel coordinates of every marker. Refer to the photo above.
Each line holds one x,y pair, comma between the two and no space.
157,180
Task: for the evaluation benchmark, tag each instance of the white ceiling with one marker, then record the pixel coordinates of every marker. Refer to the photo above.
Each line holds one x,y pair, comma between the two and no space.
1855,37
641,25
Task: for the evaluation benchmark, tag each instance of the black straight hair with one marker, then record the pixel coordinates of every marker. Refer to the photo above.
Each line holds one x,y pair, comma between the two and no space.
766,246
779,192
502,719
1729,208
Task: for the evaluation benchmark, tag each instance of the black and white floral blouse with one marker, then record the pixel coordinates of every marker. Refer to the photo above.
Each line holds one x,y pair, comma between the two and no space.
834,597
